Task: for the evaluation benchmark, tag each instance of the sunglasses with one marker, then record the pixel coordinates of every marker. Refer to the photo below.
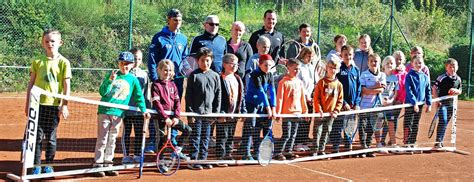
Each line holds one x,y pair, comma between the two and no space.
213,24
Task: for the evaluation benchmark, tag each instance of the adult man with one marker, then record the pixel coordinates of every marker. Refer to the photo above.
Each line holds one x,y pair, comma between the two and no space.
268,30
170,44
212,40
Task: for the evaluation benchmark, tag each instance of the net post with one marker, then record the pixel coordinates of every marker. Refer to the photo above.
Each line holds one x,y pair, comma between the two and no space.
454,117
31,130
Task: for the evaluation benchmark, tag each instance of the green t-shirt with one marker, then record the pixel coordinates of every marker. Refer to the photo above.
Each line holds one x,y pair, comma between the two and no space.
120,91
50,76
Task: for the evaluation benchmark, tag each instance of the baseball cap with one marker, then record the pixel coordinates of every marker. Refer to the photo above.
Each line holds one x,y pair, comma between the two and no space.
174,13
127,57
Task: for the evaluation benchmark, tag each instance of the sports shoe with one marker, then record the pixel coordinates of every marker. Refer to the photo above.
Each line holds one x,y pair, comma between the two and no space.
98,174
207,166
279,157
127,160
137,159
150,148
222,165
300,148
162,169
111,173
195,167
291,156
36,170
181,155
379,145
370,154
48,169
306,147
438,146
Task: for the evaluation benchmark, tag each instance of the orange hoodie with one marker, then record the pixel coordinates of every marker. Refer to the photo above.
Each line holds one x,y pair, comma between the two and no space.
291,96
328,96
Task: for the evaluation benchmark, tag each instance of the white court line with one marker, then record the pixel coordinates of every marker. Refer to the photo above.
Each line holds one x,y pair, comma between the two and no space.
319,172
460,129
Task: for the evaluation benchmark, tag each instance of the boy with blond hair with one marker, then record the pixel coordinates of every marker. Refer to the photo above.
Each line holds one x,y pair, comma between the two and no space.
417,86
328,98
52,73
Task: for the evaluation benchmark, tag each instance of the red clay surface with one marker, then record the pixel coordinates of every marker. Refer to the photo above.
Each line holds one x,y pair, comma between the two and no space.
419,167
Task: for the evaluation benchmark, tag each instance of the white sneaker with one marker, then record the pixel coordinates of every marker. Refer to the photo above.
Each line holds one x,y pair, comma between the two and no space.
379,145
137,159
306,148
127,160
300,148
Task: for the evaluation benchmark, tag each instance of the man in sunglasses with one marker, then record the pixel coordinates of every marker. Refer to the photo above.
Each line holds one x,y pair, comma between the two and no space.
212,40
268,30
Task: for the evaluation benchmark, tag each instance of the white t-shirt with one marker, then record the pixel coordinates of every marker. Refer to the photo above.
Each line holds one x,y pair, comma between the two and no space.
369,80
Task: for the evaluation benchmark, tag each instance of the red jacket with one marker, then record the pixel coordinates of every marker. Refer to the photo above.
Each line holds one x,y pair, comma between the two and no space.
164,97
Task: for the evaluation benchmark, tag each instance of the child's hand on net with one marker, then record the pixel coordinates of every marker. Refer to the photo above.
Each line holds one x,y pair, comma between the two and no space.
221,120
333,114
416,108
146,115
169,122
175,121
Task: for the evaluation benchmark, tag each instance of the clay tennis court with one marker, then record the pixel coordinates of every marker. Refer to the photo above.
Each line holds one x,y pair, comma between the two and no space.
440,166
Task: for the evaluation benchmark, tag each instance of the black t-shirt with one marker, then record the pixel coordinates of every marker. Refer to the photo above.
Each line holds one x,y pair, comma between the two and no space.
445,82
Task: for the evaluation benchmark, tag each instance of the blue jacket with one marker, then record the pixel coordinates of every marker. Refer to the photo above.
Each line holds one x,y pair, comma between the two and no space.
417,86
259,86
361,60
350,79
166,45
216,43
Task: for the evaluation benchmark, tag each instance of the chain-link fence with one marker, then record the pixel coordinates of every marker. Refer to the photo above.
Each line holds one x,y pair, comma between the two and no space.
95,31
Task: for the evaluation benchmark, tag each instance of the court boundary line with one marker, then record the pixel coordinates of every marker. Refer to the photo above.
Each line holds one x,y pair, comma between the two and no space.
320,172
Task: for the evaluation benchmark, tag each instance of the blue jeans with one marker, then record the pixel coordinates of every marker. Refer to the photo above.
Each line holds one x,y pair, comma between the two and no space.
47,124
445,113
254,126
225,137
335,135
290,128
322,128
200,136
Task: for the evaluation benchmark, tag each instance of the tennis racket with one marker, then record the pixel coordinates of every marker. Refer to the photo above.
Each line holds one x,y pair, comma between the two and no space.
187,65
266,148
350,127
167,160
434,122
290,49
142,153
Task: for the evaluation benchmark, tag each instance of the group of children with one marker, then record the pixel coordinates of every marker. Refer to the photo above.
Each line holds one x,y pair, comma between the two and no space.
344,87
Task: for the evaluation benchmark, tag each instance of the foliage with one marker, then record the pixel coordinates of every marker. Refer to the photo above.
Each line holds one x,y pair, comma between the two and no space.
94,32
